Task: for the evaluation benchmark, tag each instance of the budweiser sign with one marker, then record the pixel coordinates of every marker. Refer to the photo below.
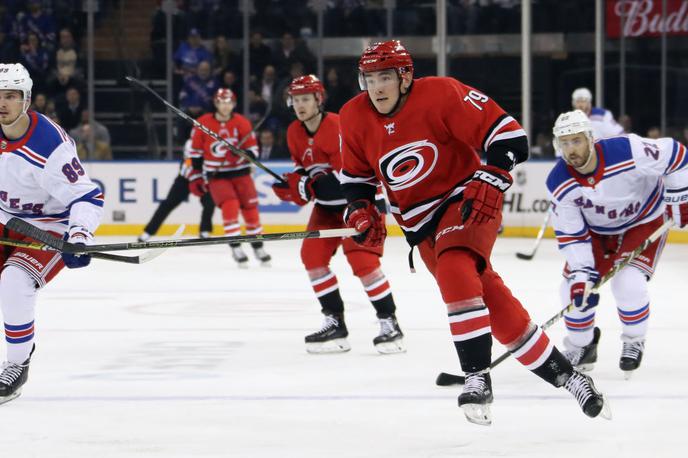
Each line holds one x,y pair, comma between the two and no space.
643,18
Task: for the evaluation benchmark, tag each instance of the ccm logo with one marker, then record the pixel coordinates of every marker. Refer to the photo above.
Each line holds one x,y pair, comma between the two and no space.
493,180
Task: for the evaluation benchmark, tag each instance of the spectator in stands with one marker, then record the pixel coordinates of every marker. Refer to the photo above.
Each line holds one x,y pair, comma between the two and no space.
39,103
158,35
336,94
40,23
627,123
654,132
36,59
268,149
257,107
69,110
190,53
268,84
229,79
66,56
290,51
197,93
260,54
92,139
225,58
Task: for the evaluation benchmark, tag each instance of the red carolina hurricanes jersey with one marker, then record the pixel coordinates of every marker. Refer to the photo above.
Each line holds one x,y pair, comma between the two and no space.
319,153
426,152
217,157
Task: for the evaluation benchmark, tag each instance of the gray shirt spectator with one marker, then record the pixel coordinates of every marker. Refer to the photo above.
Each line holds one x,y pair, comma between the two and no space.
92,139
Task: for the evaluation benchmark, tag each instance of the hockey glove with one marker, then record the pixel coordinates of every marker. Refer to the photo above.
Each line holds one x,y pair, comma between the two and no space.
679,213
580,282
295,188
81,236
363,216
484,195
197,184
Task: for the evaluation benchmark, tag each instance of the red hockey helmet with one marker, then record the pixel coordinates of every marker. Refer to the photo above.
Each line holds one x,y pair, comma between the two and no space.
383,56
224,95
307,84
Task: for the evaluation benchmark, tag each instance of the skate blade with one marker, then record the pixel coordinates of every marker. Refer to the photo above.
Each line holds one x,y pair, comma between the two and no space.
479,414
242,265
606,411
332,346
390,348
628,374
265,264
6,399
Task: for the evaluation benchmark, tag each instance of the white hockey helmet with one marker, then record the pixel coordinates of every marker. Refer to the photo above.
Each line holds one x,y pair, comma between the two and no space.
14,77
582,93
569,123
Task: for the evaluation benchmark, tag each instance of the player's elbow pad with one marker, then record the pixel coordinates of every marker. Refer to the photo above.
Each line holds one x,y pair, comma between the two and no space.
327,188
505,154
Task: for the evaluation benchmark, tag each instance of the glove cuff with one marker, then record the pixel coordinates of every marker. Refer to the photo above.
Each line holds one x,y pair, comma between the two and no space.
494,176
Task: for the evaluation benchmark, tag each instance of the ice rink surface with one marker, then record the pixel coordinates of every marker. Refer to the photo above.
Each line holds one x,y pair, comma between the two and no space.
189,356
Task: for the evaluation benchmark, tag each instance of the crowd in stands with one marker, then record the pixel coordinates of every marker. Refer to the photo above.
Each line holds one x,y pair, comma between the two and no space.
43,35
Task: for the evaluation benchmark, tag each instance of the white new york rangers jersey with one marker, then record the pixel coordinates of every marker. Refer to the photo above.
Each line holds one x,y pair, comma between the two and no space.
43,182
603,124
626,190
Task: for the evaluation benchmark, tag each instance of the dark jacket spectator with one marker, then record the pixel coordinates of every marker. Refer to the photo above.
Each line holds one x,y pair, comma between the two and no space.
260,54
225,58
336,94
289,51
69,110
268,149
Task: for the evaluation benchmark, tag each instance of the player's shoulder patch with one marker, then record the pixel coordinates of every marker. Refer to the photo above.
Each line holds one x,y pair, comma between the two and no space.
559,181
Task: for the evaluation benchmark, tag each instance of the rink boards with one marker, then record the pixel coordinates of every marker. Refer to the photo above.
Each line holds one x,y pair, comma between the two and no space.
133,191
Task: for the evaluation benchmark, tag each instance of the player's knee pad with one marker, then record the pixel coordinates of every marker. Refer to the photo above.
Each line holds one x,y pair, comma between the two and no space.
251,215
457,276
230,209
17,295
362,262
629,287
316,253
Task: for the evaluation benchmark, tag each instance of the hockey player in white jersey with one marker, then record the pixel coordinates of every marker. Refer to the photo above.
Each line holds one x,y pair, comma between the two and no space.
42,182
607,197
602,121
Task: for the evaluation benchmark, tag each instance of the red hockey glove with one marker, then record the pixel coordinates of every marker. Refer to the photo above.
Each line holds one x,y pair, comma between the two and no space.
578,281
295,188
363,216
679,213
197,184
484,194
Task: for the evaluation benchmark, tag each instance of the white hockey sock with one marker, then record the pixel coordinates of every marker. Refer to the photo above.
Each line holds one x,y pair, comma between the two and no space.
18,300
629,287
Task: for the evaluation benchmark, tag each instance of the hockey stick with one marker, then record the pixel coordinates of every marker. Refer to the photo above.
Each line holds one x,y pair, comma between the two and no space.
50,241
538,239
198,125
445,379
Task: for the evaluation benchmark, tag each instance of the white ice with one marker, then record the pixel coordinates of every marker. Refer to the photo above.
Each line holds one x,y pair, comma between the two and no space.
189,356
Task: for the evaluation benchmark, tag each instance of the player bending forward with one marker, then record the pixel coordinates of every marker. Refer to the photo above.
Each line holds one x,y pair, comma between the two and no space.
420,138
607,197
43,183
314,145
226,175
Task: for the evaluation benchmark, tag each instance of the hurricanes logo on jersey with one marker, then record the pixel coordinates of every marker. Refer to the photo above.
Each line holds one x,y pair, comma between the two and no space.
219,149
407,165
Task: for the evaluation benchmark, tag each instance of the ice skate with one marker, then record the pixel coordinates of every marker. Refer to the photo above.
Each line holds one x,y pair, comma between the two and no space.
262,256
476,398
391,339
631,356
239,256
331,338
144,237
583,358
591,401
204,235
12,377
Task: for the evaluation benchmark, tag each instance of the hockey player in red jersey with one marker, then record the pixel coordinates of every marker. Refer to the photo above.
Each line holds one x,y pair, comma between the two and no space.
420,139
228,176
313,141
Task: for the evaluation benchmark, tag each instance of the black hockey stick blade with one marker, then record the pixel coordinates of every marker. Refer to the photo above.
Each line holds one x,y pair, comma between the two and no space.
525,256
445,379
